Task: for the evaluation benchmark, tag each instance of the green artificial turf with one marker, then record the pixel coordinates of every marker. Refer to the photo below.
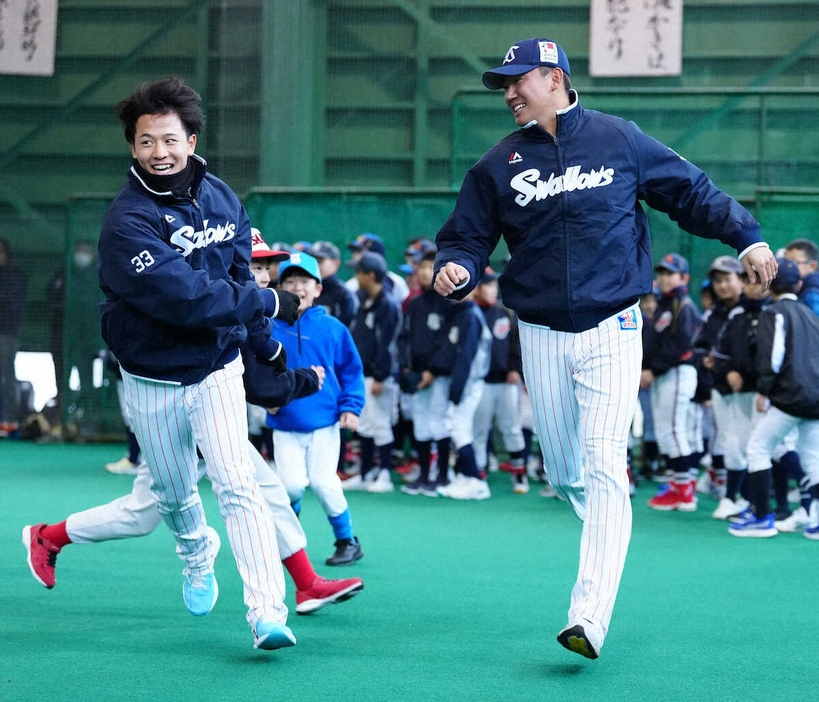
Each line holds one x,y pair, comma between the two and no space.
462,601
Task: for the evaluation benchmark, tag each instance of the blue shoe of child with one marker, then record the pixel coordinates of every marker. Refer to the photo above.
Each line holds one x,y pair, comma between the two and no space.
754,527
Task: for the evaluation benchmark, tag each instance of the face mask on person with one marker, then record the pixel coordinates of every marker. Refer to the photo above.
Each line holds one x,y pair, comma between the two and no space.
83,259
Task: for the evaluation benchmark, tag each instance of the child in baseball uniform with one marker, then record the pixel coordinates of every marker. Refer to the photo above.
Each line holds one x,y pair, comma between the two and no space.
461,365
500,400
421,335
788,383
306,438
728,471
668,369
375,331
734,377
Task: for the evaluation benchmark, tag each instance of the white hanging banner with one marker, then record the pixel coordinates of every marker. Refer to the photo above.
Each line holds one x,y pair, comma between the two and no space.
636,38
28,36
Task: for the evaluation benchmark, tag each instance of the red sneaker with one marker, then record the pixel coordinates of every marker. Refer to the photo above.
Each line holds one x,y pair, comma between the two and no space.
407,467
323,592
42,555
679,496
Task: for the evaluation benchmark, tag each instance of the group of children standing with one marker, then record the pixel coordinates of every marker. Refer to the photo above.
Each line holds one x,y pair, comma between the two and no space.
738,384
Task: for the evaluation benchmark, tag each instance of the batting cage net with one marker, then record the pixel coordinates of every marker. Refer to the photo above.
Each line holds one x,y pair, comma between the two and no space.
336,117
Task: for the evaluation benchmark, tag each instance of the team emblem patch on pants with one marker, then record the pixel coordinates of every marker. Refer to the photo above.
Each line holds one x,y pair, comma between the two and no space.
628,320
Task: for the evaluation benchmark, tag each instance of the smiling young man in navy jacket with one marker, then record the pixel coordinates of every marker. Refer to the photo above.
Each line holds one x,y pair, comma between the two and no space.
180,299
564,192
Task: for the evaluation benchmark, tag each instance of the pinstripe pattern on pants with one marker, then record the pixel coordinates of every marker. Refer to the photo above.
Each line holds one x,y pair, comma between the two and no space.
170,421
583,388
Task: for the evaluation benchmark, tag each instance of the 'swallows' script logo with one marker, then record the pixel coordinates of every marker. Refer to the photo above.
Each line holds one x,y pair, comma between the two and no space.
186,239
530,187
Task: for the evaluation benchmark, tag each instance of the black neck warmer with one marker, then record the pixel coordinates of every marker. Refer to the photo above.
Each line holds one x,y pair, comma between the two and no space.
177,183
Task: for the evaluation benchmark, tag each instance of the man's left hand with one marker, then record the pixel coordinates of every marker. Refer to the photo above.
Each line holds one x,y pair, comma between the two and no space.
760,265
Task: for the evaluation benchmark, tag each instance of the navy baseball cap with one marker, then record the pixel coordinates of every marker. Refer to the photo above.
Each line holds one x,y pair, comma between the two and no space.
303,262
371,262
672,262
368,242
788,274
525,56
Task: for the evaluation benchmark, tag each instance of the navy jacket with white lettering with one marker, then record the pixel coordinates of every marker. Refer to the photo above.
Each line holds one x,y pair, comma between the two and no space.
569,210
179,296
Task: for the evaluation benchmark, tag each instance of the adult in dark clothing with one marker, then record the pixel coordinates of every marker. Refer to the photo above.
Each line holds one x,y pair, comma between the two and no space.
12,298
565,192
336,298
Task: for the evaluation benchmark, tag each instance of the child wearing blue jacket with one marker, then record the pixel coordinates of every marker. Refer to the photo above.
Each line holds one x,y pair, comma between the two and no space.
306,437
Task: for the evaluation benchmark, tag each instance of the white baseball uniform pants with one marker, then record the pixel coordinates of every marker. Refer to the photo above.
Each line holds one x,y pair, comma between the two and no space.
463,415
380,412
771,429
501,402
583,389
671,395
170,421
311,458
432,411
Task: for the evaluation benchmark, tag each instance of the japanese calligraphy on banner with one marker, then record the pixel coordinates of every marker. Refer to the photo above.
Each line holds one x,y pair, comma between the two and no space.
28,34
636,38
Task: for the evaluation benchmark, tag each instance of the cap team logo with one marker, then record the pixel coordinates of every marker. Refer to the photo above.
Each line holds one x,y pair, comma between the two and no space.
515,157
256,239
510,55
548,51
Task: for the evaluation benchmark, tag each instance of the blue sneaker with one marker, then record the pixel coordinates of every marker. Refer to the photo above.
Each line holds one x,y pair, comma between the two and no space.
271,635
812,532
200,592
753,527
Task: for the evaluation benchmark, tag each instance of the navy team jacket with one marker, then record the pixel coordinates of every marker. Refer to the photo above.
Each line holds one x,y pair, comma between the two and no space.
375,330
569,210
179,296
423,327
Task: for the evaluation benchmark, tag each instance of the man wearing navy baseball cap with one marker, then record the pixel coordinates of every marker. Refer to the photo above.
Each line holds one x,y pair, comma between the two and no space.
565,192
526,56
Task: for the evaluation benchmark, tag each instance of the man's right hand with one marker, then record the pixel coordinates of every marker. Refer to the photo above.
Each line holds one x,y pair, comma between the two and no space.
450,277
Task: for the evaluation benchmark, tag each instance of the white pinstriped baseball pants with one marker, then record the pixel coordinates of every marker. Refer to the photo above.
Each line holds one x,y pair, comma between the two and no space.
135,514
170,421
583,388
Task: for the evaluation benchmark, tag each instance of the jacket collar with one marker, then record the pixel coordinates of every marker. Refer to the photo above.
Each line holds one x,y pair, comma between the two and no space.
199,164
567,120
